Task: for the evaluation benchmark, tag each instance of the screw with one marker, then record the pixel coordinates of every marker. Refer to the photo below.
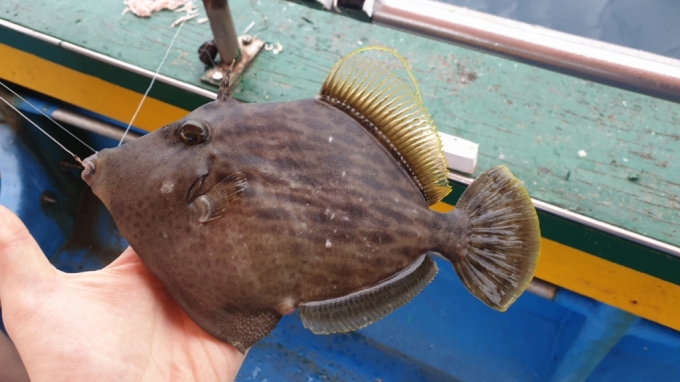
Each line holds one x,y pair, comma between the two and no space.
246,39
217,75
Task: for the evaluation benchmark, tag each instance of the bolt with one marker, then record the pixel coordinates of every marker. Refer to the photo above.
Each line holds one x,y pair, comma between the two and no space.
207,52
246,39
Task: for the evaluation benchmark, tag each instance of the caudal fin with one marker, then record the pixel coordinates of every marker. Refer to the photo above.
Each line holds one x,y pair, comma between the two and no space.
504,238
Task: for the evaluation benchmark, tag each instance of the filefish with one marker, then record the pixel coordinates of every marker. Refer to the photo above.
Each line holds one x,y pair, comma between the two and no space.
247,212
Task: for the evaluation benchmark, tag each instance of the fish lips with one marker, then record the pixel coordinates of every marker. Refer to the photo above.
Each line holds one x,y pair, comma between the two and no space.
89,169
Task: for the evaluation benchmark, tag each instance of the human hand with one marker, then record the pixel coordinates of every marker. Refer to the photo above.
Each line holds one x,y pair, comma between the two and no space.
117,324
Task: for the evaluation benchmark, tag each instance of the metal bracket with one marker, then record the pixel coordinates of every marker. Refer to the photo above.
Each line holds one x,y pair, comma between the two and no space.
250,46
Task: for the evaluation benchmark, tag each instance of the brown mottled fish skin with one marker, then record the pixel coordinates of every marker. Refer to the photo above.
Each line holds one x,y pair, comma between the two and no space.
327,211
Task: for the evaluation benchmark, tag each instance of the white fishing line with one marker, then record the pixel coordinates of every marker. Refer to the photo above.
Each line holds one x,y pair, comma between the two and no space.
48,117
39,128
153,79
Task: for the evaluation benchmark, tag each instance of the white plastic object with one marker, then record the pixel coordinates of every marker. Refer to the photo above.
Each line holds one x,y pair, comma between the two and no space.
461,154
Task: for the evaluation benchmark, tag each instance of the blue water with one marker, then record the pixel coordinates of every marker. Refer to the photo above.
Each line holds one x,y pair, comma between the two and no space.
650,25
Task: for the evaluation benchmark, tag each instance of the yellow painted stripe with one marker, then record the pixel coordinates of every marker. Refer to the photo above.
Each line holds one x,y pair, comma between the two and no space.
625,288
83,90
602,280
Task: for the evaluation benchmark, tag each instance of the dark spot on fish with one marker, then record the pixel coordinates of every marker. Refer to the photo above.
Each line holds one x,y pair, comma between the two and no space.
299,199
319,218
370,182
271,179
356,211
268,214
311,180
404,251
380,238
391,214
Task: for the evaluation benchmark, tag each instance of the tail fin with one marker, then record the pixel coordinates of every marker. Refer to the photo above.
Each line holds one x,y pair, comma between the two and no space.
504,238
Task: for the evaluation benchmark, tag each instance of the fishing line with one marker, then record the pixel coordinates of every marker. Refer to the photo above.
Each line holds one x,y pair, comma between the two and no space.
153,79
39,128
48,117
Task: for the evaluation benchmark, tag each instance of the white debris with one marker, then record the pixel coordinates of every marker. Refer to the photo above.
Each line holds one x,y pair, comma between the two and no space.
183,19
145,8
328,243
167,187
330,139
202,20
582,153
248,28
278,49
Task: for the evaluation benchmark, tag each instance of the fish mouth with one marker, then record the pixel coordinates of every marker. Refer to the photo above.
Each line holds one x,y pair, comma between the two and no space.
89,169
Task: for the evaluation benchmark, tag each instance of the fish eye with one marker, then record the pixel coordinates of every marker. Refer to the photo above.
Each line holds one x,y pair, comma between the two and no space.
193,132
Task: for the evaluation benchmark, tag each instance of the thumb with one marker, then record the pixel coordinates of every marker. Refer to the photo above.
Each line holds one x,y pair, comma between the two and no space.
22,262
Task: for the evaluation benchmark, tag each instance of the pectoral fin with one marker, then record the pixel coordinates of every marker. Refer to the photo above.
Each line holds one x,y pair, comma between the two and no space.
360,309
216,202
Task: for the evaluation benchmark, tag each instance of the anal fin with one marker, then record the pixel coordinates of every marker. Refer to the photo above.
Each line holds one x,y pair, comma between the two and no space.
360,309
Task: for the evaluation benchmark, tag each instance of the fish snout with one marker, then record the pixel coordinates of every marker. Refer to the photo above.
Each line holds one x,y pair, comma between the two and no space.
89,170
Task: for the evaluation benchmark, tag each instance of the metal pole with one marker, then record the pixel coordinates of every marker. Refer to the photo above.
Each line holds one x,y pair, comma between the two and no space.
222,25
93,125
611,64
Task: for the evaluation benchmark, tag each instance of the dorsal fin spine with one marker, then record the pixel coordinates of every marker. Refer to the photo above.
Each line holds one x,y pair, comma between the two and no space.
396,121
370,88
381,108
389,114
409,135
417,147
354,89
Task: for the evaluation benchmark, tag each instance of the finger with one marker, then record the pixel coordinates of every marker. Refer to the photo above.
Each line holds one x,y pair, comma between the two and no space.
12,367
22,262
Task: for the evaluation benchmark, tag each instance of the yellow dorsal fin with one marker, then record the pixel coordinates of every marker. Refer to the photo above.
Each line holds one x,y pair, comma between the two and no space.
391,111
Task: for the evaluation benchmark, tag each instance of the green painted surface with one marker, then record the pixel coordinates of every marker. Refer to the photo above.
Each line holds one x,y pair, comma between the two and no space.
534,121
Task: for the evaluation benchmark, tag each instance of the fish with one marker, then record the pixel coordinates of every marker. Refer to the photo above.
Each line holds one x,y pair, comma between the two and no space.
248,212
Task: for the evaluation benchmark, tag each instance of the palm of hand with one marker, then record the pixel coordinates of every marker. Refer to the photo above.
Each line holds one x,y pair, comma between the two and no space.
115,324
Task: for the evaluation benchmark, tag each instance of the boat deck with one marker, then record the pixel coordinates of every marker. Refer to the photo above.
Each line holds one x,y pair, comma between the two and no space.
598,151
